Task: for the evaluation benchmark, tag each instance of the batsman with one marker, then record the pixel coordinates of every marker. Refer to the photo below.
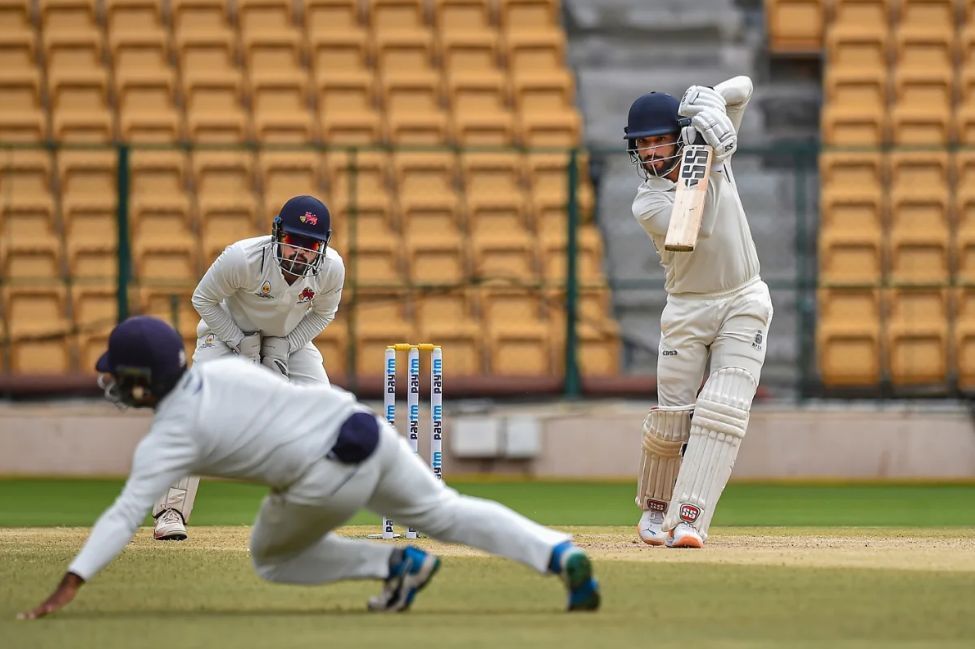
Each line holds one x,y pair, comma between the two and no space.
714,327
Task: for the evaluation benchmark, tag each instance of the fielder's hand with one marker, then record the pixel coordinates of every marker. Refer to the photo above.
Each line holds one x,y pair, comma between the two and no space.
699,98
717,130
62,595
250,347
275,353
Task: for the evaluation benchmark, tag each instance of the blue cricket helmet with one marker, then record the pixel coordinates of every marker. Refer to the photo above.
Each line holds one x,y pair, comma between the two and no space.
654,113
306,224
145,358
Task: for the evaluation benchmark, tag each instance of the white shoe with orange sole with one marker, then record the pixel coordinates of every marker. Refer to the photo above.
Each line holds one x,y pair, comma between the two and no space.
650,528
684,536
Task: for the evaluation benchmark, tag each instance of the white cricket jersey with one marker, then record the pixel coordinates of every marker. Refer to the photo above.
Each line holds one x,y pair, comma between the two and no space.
245,291
227,418
724,258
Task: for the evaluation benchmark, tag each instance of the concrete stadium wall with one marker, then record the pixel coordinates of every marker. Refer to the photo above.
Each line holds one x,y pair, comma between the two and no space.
574,440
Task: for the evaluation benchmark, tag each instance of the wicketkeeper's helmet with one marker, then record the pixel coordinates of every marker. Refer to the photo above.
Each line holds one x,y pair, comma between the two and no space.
303,223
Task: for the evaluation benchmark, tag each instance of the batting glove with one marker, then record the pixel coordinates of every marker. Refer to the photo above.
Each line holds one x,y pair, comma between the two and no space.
249,347
696,99
275,353
718,131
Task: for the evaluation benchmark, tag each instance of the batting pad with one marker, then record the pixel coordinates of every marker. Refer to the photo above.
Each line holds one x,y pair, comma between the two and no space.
180,497
717,428
665,430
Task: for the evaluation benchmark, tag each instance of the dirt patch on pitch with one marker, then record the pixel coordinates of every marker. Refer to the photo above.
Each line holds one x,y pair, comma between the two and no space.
949,549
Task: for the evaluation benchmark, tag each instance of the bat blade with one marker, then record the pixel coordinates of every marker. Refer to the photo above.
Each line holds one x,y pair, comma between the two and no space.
692,186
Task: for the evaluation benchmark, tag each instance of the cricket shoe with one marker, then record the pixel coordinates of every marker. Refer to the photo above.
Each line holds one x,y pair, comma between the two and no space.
684,536
410,569
170,526
651,528
574,568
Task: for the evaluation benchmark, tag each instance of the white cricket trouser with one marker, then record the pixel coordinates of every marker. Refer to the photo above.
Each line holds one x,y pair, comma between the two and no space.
292,540
730,329
305,366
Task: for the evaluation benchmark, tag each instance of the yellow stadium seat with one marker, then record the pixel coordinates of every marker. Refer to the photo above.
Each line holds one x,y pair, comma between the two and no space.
63,16
436,259
396,15
529,15
366,174
199,17
147,110
858,46
509,256
413,112
67,54
543,94
490,177
157,179
445,305
850,257
964,174
468,53
917,337
224,183
404,53
206,54
161,228
852,217
286,174
848,337
166,266
340,54
274,55
918,259
853,126
588,256
535,52
539,131
88,181
862,14
332,17
214,109
15,17
95,309
174,305
483,92
964,336
38,327
265,16
794,25
347,101
924,47
80,109
489,129
462,16
281,110
21,114
939,14
25,182
856,87
380,317
134,16
447,317
426,175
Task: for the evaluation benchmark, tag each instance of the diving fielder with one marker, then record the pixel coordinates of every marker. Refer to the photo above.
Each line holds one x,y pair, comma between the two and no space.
717,314
323,455
264,299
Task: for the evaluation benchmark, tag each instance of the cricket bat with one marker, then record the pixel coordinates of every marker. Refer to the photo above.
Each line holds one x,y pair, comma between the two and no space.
692,186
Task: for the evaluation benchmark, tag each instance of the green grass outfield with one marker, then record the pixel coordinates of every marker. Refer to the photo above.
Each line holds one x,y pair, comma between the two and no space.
786,566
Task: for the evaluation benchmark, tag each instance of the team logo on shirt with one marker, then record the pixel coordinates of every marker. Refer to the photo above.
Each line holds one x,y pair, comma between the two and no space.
757,343
308,218
307,295
208,341
265,291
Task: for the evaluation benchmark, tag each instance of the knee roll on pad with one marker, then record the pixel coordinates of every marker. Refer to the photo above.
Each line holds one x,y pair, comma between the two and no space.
717,428
665,430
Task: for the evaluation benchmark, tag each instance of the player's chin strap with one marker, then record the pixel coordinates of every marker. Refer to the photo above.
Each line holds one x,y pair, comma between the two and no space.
108,385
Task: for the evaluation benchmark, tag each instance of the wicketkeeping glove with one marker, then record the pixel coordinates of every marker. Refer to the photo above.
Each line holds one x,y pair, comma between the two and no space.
718,131
699,98
275,353
250,347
